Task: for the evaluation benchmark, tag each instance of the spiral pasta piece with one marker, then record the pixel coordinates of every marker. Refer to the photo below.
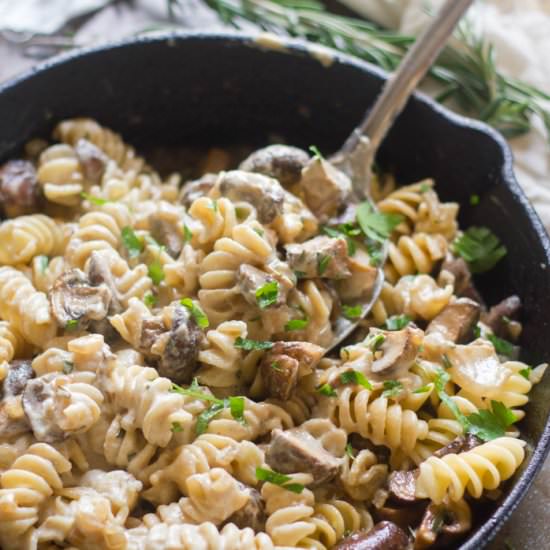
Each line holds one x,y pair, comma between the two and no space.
12,343
25,237
26,309
482,468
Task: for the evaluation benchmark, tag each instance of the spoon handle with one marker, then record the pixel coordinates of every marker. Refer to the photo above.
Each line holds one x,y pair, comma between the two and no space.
403,82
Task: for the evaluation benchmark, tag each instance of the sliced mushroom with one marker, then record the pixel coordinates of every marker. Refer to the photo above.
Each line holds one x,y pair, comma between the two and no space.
497,318
264,193
296,450
383,536
399,350
284,363
180,355
99,272
363,277
195,189
282,162
460,444
321,256
456,321
325,188
19,190
250,279
167,234
40,409
443,523
463,283
403,516
252,514
402,486
13,421
73,298
92,160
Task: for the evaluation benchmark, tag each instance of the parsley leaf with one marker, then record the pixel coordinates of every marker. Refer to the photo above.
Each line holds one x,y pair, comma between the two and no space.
297,324
207,416
441,381
391,388
176,427
352,312
131,241
423,389
474,200
315,151
187,234
355,377
374,341
526,373
282,480
72,324
198,314
98,201
236,406
322,263
488,425
194,391
480,248
156,272
349,451
502,347
267,294
397,322
150,300
376,225
327,390
249,345
275,366
425,187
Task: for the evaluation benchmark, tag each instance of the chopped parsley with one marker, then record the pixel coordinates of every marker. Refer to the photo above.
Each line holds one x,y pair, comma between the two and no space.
446,361
259,231
187,234
376,225
348,231
297,324
98,201
352,312
131,242
502,347
43,262
176,427
322,262
198,314
236,407
282,480
397,322
156,272
480,248
150,300
526,373
474,200
249,345
204,419
72,324
488,425
425,187
349,451
267,294
374,341
68,367
355,377
275,366
392,388
326,390
315,152
423,389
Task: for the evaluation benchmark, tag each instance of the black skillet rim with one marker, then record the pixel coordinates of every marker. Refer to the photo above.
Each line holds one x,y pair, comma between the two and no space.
486,532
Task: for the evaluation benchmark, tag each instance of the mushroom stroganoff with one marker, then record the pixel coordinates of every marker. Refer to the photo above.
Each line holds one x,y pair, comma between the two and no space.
164,368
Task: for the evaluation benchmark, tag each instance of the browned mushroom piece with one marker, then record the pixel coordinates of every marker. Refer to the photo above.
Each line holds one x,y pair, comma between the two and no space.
456,321
321,256
180,355
166,233
193,190
442,524
264,193
19,190
284,363
399,350
296,450
99,272
402,516
13,421
250,279
464,285
282,162
460,444
40,409
325,188
92,160
73,298
497,318
402,486
383,536
252,514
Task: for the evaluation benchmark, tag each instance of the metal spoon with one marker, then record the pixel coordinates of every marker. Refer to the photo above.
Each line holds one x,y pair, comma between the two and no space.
357,154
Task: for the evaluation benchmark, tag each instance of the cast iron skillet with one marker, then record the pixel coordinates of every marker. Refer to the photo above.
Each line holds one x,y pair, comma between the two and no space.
205,89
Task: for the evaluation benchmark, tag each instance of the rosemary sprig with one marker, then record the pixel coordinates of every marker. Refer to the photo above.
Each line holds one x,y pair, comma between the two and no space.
467,73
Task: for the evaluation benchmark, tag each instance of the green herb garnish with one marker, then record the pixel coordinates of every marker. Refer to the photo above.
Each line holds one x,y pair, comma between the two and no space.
236,407
131,242
322,263
150,300
204,419
267,294
198,314
249,345
296,324
352,312
423,389
299,274
68,367
526,373
327,390
502,347
282,480
275,366
392,388
446,361
316,153
155,270
425,187
72,324
176,427
488,425
376,225
43,262
355,377
474,200
480,248
397,322
349,451
374,341
187,234
98,201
